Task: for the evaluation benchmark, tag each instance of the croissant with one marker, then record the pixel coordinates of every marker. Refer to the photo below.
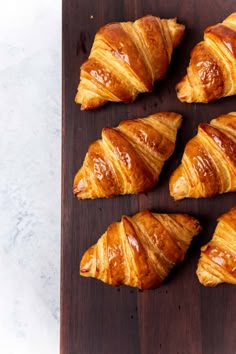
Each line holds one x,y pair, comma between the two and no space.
141,250
217,263
129,158
126,58
209,161
212,69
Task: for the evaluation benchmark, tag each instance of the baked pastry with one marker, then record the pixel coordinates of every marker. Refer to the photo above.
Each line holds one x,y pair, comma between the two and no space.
126,58
208,164
217,263
212,69
129,158
141,250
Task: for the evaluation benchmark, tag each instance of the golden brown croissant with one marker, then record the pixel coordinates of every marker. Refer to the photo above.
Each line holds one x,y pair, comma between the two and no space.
129,158
212,69
126,59
141,250
217,263
209,161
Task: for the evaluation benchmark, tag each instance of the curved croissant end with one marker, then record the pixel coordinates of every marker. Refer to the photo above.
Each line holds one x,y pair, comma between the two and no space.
141,250
126,59
217,263
129,158
212,69
208,165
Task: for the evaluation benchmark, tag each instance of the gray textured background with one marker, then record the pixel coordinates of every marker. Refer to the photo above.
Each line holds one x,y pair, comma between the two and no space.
30,149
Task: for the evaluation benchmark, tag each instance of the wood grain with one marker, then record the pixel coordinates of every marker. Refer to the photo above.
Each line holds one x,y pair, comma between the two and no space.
181,317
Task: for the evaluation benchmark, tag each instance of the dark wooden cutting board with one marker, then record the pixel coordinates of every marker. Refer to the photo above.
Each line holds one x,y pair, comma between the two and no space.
181,317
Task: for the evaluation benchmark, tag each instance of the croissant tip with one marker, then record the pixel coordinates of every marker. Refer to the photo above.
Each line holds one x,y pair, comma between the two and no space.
178,185
204,277
78,186
177,31
183,90
75,192
87,263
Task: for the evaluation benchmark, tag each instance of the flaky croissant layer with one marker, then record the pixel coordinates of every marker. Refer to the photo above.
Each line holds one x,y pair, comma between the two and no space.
208,165
212,69
129,158
217,263
126,58
141,250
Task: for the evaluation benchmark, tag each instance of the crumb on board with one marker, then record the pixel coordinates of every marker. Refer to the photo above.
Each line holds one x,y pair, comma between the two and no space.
91,17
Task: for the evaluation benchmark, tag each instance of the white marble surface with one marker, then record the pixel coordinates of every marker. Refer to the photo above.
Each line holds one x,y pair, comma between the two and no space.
30,150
